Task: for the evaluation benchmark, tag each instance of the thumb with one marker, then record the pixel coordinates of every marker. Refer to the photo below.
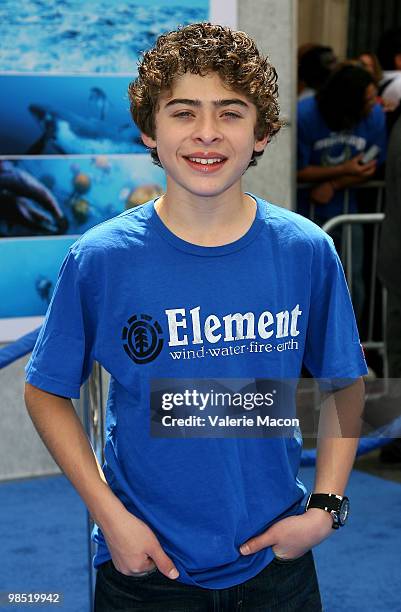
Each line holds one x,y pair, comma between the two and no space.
263,540
164,563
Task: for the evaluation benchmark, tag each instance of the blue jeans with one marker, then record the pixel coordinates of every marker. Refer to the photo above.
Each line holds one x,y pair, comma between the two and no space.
282,586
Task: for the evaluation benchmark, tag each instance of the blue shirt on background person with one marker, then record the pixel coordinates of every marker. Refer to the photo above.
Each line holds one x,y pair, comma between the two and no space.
318,145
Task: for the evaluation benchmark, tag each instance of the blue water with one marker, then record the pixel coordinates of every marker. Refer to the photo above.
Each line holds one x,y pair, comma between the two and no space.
25,260
89,35
90,115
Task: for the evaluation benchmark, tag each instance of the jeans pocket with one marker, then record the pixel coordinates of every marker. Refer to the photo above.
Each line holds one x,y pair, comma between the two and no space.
131,577
117,591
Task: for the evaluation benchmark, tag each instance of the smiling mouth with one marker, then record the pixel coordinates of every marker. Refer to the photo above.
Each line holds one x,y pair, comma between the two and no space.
204,161
205,164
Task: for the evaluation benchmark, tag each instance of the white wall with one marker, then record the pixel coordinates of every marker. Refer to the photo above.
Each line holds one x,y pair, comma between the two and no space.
273,23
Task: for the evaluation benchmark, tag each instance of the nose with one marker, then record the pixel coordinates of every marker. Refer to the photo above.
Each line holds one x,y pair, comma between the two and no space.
206,129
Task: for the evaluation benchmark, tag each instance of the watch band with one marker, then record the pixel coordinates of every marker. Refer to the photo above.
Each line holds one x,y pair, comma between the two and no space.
330,502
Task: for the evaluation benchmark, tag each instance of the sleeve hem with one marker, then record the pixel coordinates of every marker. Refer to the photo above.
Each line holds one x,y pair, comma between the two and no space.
357,372
50,385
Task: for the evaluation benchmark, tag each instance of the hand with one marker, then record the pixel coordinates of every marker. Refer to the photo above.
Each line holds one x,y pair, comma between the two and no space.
388,105
322,194
134,547
355,168
293,536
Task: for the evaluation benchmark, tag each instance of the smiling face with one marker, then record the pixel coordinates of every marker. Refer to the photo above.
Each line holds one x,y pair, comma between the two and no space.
205,135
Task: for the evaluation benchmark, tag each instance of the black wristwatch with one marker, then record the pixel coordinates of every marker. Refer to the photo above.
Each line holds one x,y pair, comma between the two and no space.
336,505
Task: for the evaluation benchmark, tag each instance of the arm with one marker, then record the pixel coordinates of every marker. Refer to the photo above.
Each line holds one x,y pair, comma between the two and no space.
318,174
340,416
350,169
130,541
348,180
324,191
339,431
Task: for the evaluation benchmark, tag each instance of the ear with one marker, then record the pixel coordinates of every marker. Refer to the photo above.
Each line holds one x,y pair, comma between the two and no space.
260,145
397,61
148,141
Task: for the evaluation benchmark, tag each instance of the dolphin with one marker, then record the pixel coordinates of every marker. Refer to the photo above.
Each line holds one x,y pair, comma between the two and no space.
26,201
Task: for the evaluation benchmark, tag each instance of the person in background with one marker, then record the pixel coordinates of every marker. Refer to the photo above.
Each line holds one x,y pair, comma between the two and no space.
335,128
389,55
389,270
315,64
371,63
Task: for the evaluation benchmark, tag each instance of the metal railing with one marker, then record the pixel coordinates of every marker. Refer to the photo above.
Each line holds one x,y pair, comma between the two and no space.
94,421
379,185
345,221
364,219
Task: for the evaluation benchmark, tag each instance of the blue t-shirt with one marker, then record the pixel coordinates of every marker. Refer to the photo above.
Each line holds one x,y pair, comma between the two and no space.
319,146
153,308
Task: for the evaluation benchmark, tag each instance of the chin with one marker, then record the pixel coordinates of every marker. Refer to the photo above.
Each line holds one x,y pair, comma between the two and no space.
208,193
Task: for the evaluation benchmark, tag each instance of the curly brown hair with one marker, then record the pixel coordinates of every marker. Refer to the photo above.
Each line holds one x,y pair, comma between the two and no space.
201,48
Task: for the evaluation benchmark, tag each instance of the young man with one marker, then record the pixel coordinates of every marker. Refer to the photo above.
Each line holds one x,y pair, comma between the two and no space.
205,287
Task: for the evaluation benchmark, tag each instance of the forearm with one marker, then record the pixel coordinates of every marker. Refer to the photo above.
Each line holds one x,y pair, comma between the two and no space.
347,180
334,460
316,174
61,430
339,430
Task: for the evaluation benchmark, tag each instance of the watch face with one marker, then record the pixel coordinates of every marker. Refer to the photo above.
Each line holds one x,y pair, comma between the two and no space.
344,510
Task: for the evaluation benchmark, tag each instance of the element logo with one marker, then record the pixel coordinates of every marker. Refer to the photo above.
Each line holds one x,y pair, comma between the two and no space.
142,338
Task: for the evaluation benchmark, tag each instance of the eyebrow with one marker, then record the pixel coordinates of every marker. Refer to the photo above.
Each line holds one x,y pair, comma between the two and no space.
197,103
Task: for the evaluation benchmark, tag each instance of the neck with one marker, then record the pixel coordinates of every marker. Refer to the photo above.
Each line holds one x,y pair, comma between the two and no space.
207,221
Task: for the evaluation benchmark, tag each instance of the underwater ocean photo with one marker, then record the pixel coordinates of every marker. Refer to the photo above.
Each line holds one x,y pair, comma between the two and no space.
66,115
67,36
53,196
70,154
85,192
28,273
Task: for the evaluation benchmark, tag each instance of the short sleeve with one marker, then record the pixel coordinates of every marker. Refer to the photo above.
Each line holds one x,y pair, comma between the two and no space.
332,349
63,355
377,132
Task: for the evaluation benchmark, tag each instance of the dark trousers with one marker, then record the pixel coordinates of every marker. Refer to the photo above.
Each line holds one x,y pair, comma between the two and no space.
394,336
392,452
283,586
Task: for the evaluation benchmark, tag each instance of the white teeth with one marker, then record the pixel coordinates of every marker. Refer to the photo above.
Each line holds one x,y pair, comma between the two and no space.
203,161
